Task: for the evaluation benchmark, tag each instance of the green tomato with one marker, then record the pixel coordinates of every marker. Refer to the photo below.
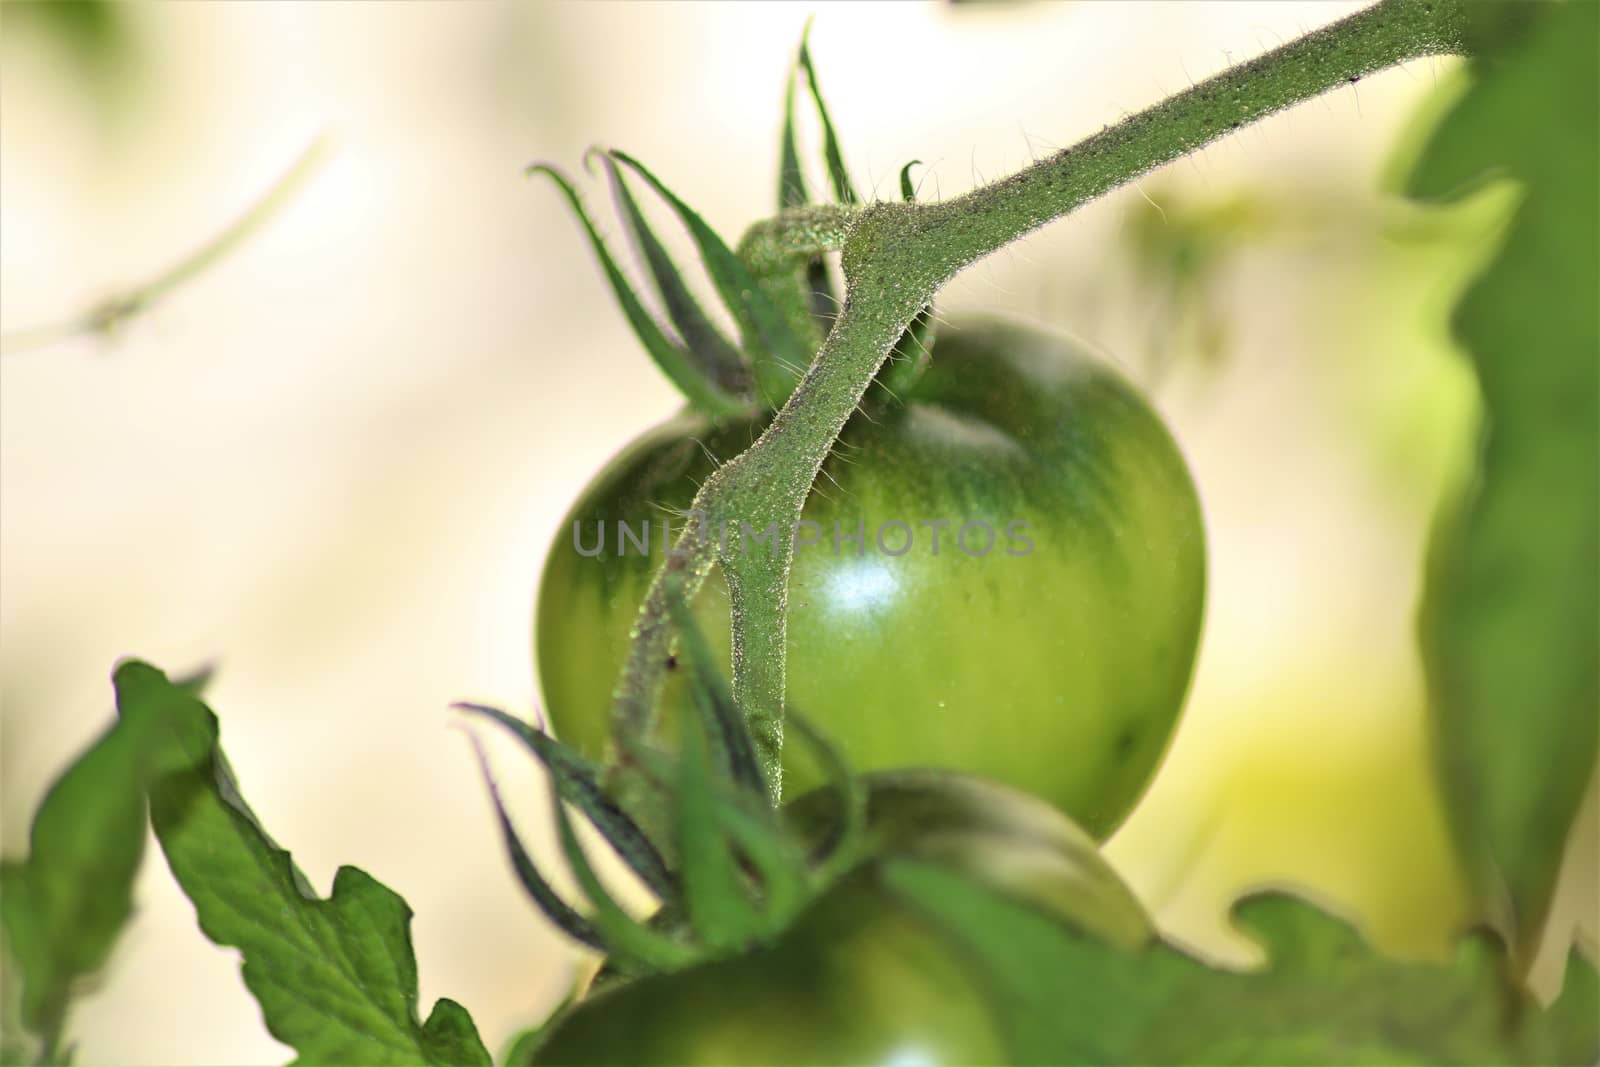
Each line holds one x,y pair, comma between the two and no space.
989,833
1007,577
861,978
858,979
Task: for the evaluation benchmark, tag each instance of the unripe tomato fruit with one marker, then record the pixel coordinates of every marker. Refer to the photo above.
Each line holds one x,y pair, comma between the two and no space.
861,977
1051,653
988,833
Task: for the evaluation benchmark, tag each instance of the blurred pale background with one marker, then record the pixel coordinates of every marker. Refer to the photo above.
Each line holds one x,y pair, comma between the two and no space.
332,464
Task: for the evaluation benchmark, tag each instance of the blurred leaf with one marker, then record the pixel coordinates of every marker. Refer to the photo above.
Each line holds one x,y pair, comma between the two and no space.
335,977
1323,996
65,905
1510,623
1180,247
94,34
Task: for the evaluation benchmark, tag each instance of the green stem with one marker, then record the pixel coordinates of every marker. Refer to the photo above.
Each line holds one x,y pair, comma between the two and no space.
755,585
957,232
783,255
113,312
895,257
779,243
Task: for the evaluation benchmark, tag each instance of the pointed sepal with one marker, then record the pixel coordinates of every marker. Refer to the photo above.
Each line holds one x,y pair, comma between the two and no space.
777,353
578,782
676,360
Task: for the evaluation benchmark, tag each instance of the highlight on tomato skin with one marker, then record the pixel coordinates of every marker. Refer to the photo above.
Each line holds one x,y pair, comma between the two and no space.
1003,573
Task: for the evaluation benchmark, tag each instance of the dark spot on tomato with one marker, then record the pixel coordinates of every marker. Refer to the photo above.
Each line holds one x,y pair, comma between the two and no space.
1126,741
672,663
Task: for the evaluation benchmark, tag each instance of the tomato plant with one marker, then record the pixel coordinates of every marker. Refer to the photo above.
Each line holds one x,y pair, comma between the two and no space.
1021,597
974,548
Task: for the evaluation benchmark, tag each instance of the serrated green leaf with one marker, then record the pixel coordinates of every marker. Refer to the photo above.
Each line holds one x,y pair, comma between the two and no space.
1322,996
1511,621
65,905
335,977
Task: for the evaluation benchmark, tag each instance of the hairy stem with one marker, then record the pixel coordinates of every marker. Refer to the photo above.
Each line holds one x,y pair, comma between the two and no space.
896,256
793,237
957,232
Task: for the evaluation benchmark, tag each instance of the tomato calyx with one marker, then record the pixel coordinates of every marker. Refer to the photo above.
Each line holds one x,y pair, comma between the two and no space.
777,286
728,876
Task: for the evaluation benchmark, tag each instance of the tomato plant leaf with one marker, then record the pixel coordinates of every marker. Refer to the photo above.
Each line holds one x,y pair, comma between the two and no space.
64,906
335,977
677,362
1510,622
908,192
1323,996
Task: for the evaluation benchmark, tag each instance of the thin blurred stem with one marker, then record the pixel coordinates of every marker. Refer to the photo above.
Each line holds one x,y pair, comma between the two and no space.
113,312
